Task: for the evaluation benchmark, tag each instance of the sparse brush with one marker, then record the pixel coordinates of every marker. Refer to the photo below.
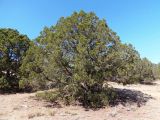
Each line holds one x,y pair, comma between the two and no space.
50,96
51,113
32,115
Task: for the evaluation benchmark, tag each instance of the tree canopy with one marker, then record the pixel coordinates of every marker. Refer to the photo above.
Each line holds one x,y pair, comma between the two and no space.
12,48
78,56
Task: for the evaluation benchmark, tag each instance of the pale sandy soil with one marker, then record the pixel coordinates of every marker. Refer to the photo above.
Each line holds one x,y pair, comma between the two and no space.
143,104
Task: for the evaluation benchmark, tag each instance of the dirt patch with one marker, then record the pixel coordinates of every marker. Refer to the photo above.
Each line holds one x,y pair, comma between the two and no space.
136,102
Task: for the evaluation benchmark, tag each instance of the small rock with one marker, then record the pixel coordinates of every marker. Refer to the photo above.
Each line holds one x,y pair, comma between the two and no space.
113,114
128,109
133,108
24,106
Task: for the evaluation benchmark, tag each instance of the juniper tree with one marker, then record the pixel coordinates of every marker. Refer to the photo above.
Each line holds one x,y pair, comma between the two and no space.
13,46
79,55
79,51
156,71
36,70
132,68
146,70
129,62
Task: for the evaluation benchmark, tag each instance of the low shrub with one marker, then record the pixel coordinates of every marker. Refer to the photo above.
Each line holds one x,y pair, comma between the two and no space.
50,96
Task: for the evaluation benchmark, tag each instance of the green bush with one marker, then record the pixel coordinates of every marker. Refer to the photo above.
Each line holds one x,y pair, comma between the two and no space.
89,99
4,85
25,85
97,99
50,96
13,47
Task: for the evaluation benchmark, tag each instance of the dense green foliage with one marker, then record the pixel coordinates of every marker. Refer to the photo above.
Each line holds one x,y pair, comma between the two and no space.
127,70
12,48
156,71
77,56
32,69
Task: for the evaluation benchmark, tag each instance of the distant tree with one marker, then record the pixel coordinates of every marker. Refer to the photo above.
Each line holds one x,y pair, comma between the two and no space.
33,68
129,59
156,71
146,70
13,47
132,68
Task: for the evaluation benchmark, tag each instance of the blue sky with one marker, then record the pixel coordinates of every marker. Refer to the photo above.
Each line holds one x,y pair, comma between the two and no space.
135,21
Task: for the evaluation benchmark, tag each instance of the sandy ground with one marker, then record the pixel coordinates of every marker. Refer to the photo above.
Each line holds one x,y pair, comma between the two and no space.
143,103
